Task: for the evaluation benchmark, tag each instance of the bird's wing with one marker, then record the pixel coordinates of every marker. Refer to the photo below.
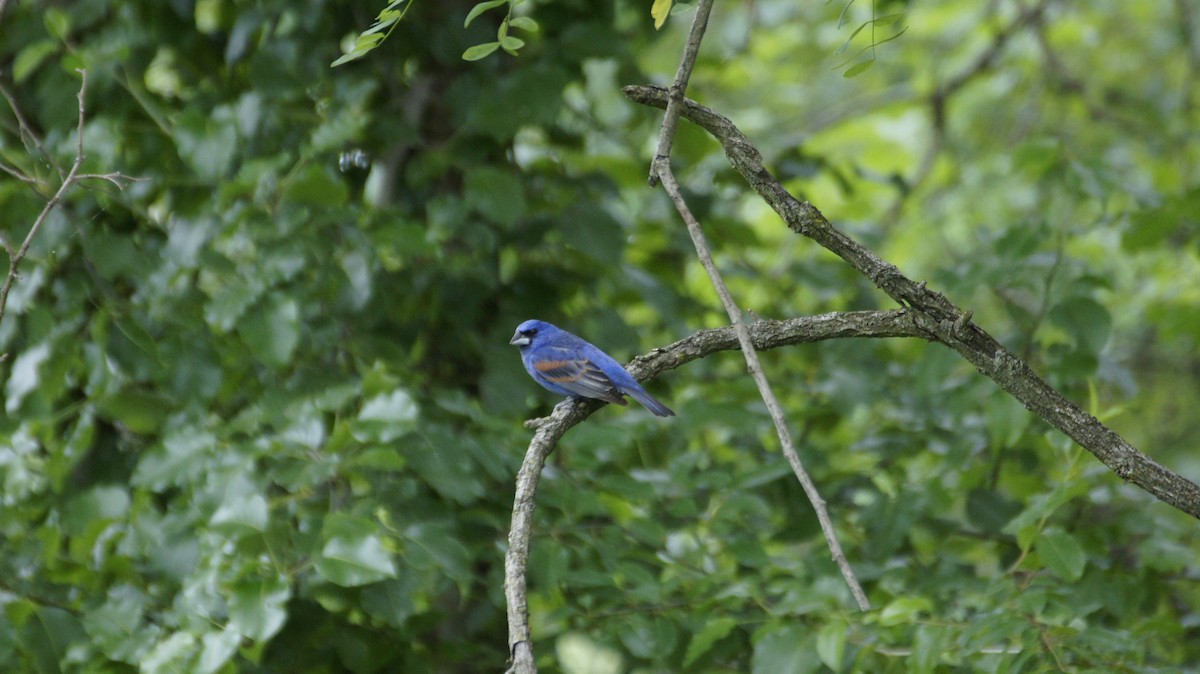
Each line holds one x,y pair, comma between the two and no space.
581,377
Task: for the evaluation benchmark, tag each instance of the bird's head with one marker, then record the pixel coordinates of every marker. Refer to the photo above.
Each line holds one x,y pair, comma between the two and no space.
529,331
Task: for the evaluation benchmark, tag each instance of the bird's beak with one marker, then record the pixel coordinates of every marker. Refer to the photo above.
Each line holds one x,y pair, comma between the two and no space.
519,339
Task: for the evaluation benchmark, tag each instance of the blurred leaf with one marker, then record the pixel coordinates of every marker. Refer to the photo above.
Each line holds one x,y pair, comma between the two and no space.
179,458
353,554
273,332
647,636
247,511
386,417
316,185
30,58
207,142
831,644
1084,318
138,411
1061,553
258,608
432,546
784,649
495,194
119,628
217,648
904,610
23,378
702,641
858,68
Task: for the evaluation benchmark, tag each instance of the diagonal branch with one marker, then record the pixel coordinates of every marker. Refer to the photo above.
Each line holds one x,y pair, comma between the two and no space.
760,380
691,49
762,335
939,318
660,170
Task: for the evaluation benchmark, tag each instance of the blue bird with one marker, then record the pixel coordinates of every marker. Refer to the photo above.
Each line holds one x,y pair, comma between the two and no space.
570,366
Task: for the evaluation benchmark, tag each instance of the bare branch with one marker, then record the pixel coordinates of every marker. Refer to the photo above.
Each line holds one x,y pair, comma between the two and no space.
660,169
939,318
70,179
760,380
691,48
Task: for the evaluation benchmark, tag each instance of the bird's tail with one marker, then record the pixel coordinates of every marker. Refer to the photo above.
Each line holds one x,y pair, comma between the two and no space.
639,394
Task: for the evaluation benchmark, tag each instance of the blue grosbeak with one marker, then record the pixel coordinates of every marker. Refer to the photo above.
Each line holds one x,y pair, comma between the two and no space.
570,366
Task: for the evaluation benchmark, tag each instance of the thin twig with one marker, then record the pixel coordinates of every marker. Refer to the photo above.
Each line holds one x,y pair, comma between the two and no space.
70,178
764,334
661,169
15,260
764,387
691,48
940,318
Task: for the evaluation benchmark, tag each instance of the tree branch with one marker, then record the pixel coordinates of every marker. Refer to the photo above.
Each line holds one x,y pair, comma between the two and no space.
691,48
660,167
70,178
762,334
940,319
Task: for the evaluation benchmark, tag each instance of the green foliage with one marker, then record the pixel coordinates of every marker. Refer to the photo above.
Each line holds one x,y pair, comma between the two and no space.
260,414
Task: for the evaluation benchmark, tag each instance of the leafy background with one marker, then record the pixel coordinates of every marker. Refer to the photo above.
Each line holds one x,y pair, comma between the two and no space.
260,414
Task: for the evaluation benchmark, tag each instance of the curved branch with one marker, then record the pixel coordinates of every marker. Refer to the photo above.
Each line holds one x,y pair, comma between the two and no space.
763,335
940,318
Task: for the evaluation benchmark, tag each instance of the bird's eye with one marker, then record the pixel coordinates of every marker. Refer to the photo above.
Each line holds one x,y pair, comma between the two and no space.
530,332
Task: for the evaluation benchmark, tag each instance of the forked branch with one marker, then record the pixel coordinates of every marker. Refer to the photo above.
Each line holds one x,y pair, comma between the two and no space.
939,319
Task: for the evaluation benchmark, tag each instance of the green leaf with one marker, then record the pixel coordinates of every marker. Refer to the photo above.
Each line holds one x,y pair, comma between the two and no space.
207,142
702,642
831,644
858,68
496,194
353,554
47,635
928,646
524,23
179,459
29,58
317,186
216,649
118,626
646,636
434,546
175,653
273,332
58,23
138,411
257,608
511,44
480,9
659,11
480,51
241,511
23,378
784,649
1085,320
1061,553
904,610
386,417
